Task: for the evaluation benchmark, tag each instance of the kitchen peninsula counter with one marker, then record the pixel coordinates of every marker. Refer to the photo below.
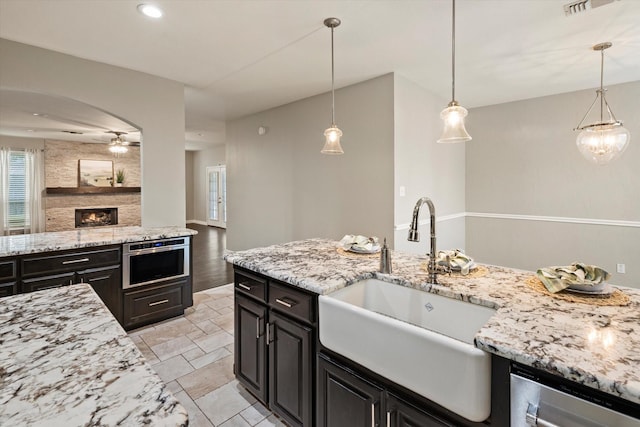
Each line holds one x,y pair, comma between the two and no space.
64,360
84,238
597,346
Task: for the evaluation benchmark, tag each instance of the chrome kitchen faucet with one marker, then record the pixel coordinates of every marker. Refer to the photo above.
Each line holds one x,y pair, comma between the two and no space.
414,235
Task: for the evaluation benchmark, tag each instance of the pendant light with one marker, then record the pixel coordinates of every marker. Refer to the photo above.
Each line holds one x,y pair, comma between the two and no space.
454,114
333,133
603,141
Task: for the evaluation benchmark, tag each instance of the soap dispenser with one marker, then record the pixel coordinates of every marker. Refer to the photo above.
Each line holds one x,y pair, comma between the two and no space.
385,259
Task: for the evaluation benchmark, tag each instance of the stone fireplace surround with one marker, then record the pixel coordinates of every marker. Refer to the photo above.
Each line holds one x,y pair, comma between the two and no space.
61,170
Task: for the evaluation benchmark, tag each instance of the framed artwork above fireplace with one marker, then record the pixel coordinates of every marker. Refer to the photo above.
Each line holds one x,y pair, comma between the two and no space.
95,173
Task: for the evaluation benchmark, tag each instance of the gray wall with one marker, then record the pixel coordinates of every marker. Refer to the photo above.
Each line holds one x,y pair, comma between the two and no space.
197,194
523,160
425,168
280,187
153,104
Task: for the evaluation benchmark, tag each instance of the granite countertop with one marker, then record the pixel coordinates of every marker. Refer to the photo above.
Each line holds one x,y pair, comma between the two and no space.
64,360
598,346
83,238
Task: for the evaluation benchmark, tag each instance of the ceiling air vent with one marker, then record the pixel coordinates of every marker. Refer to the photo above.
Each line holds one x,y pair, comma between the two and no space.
72,132
583,6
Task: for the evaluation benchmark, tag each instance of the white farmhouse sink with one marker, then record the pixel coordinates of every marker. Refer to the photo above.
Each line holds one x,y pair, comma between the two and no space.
419,340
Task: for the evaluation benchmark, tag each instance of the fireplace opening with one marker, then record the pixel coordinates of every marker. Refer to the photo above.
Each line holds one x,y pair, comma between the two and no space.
97,217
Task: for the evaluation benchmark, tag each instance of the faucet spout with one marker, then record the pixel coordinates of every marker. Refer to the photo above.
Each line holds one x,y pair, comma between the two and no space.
414,235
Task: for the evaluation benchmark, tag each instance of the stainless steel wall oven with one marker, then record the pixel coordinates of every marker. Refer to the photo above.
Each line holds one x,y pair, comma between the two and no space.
154,261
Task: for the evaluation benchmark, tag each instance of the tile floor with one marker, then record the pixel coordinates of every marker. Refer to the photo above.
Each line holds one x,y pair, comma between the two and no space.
193,354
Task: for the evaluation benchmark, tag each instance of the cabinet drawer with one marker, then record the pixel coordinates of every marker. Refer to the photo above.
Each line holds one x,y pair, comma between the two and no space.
69,261
151,304
8,270
251,285
292,302
48,282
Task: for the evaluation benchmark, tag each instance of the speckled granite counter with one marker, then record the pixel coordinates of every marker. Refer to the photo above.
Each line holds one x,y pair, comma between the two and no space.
84,238
595,346
64,360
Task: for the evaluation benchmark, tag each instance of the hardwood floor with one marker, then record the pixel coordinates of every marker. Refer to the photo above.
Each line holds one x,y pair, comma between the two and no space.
209,269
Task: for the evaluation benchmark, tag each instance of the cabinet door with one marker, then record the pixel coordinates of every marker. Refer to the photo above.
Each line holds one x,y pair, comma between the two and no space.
48,282
346,400
107,283
290,370
7,289
250,346
402,414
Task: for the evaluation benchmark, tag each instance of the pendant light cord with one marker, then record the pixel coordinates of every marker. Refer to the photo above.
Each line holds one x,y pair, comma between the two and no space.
602,101
333,95
453,53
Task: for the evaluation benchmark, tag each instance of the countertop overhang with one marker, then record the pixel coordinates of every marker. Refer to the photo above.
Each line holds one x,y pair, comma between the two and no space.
64,360
22,244
597,346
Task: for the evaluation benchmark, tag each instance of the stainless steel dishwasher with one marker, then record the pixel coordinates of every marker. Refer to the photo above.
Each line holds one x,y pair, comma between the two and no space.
545,401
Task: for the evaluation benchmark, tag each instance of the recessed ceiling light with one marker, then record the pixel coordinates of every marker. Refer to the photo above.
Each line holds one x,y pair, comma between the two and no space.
150,10
36,114
29,130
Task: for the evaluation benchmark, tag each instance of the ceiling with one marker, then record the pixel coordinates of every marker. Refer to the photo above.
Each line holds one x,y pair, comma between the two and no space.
238,57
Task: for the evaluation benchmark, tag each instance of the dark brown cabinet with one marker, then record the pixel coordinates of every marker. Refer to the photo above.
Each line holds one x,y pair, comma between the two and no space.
400,413
153,303
290,370
8,278
345,399
99,267
250,346
275,333
107,283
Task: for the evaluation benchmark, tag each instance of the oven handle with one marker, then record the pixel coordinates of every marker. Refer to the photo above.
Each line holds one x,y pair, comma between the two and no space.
128,252
532,418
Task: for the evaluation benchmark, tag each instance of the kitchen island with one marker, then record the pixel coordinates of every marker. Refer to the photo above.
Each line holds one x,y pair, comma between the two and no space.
596,346
143,275
22,244
64,360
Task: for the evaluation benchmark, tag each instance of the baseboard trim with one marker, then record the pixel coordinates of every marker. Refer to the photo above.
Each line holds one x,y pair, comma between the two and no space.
196,221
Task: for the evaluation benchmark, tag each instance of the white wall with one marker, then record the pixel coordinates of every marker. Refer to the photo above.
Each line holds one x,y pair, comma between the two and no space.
523,160
426,169
197,203
153,104
280,188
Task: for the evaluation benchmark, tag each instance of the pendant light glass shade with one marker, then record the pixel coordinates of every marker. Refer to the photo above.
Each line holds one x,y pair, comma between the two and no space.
453,116
332,134
603,141
454,130
332,141
118,145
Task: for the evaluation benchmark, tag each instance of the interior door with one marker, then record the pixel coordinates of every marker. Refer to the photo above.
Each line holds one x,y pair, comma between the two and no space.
217,196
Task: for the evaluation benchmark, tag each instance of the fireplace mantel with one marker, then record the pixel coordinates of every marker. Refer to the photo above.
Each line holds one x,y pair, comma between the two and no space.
91,190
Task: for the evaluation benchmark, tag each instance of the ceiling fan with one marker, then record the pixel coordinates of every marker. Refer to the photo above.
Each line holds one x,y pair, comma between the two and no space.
118,145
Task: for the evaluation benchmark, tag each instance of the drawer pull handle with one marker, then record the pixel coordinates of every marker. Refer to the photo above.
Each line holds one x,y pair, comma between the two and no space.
388,419
75,261
95,279
373,415
164,301
243,286
285,303
257,328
